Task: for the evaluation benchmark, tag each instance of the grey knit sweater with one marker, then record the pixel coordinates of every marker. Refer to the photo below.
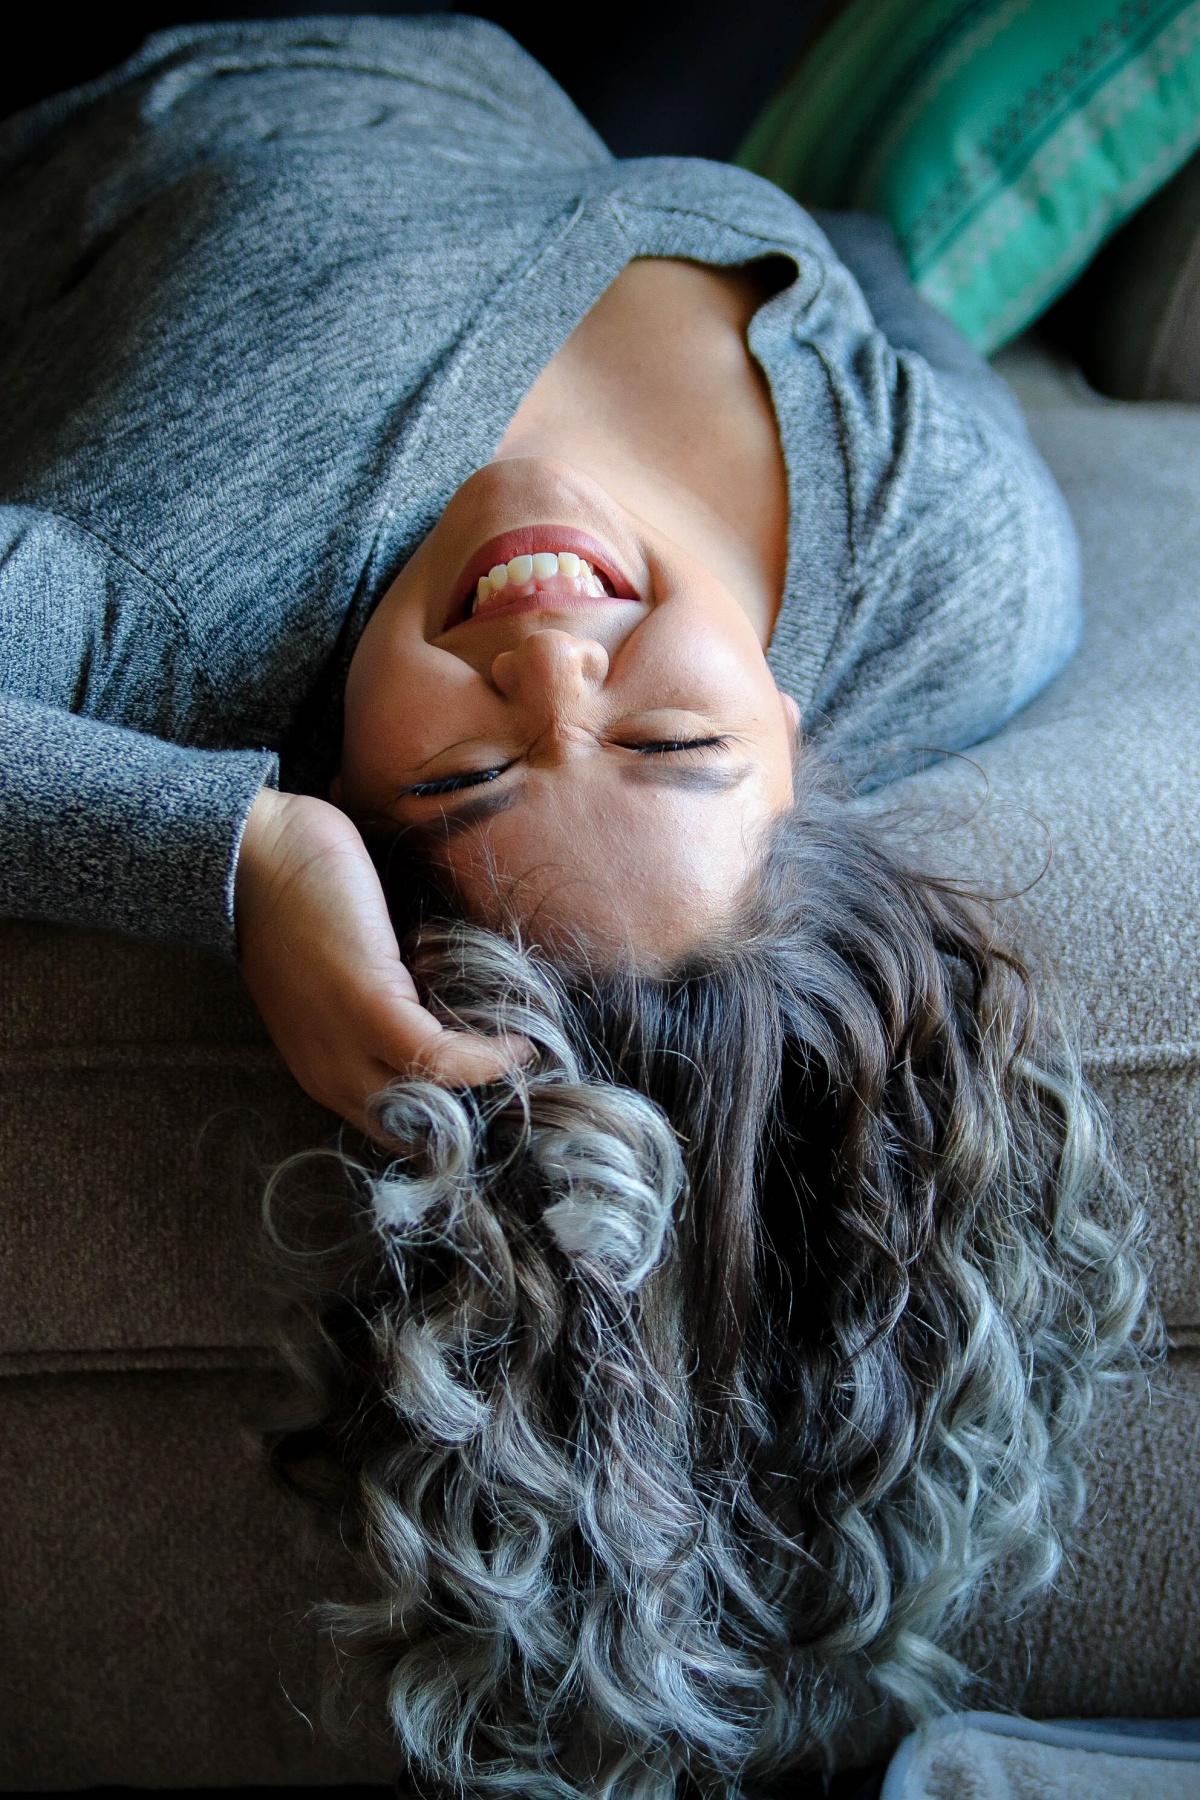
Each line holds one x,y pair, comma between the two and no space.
271,292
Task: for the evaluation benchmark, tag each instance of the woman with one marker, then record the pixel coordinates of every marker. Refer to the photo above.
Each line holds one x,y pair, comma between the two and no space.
362,413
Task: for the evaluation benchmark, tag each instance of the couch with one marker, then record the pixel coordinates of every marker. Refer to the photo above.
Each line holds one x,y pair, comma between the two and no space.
155,1583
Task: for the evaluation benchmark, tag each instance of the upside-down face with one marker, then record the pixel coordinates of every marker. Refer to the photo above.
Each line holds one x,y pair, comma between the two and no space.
580,703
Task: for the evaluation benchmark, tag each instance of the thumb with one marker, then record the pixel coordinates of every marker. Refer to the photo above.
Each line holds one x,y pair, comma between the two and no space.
421,1045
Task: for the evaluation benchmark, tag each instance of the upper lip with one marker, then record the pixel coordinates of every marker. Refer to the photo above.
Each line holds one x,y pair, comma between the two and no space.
525,540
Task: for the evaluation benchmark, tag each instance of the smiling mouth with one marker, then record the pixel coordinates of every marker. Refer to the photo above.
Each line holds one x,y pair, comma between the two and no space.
551,577
537,568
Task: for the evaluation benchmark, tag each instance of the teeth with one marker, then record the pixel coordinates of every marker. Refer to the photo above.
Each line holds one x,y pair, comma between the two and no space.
544,565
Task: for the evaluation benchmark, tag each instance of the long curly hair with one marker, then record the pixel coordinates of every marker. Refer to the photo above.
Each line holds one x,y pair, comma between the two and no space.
683,1388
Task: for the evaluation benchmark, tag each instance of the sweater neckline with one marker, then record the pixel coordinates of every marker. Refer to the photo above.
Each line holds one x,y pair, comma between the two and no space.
471,400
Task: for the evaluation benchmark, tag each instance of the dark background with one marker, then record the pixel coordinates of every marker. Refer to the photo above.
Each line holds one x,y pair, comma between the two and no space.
665,79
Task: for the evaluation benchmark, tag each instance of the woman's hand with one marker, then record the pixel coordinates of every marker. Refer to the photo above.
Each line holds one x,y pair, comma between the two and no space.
320,957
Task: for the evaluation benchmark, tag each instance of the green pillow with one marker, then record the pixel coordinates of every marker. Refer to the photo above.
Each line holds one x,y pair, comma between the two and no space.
1002,139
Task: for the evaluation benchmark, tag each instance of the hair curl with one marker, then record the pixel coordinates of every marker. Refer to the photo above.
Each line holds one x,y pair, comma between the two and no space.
683,1388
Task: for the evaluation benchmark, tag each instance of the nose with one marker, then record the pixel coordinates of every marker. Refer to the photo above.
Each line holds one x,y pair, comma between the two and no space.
553,674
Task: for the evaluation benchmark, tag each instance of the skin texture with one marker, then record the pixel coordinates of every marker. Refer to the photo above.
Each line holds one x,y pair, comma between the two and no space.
604,764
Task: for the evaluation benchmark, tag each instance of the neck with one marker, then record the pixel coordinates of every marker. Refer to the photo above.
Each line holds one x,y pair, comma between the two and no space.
656,396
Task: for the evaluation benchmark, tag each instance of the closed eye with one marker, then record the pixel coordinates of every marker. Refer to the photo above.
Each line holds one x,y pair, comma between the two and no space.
453,784
470,778
682,763
677,746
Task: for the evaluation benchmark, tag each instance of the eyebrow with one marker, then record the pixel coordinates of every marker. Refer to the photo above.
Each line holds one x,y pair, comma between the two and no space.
479,808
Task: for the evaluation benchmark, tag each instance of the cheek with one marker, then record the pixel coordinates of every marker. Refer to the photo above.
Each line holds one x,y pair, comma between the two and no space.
401,709
704,650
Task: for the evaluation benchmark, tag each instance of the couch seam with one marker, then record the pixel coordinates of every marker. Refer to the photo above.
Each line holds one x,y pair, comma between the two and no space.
197,1358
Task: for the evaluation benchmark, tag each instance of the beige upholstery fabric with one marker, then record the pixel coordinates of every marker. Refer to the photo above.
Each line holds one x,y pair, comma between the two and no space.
152,1581
975,1755
1095,784
1091,796
155,1588
142,1103
1117,1636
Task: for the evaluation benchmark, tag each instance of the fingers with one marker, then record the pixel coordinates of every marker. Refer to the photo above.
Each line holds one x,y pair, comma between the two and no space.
352,1073
455,1059
462,1059
419,1045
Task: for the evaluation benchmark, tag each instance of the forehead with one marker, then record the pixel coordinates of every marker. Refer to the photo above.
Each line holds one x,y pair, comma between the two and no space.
647,866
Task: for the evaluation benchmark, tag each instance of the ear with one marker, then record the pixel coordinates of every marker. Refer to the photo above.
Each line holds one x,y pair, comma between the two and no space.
335,789
791,713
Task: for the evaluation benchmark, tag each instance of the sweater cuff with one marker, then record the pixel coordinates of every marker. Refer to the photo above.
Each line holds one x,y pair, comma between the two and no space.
110,828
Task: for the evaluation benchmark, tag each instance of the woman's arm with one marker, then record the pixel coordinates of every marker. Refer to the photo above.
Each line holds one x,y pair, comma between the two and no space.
868,247
111,828
120,829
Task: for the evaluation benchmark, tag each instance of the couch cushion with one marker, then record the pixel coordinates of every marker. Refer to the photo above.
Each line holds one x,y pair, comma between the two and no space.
1090,797
155,1592
1001,142
1133,320
142,1104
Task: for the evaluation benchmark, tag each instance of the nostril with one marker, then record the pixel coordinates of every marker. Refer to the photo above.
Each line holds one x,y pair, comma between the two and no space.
551,658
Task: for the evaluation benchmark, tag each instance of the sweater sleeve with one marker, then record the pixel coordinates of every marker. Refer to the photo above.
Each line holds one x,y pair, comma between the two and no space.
943,554
104,821
868,247
108,827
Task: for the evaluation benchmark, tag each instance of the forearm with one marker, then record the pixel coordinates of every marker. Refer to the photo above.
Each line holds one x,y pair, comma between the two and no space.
111,828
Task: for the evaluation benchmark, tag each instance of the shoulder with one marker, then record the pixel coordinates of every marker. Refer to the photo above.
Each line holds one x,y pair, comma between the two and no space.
965,596
721,193
946,587
82,629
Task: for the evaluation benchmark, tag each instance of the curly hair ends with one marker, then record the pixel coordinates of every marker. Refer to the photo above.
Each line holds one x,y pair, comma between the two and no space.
684,1387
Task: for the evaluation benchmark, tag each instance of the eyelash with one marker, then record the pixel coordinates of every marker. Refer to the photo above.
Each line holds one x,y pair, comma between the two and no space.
453,784
450,784
672,746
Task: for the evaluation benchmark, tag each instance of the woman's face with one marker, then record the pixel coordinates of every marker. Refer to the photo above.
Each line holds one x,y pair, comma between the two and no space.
605,749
